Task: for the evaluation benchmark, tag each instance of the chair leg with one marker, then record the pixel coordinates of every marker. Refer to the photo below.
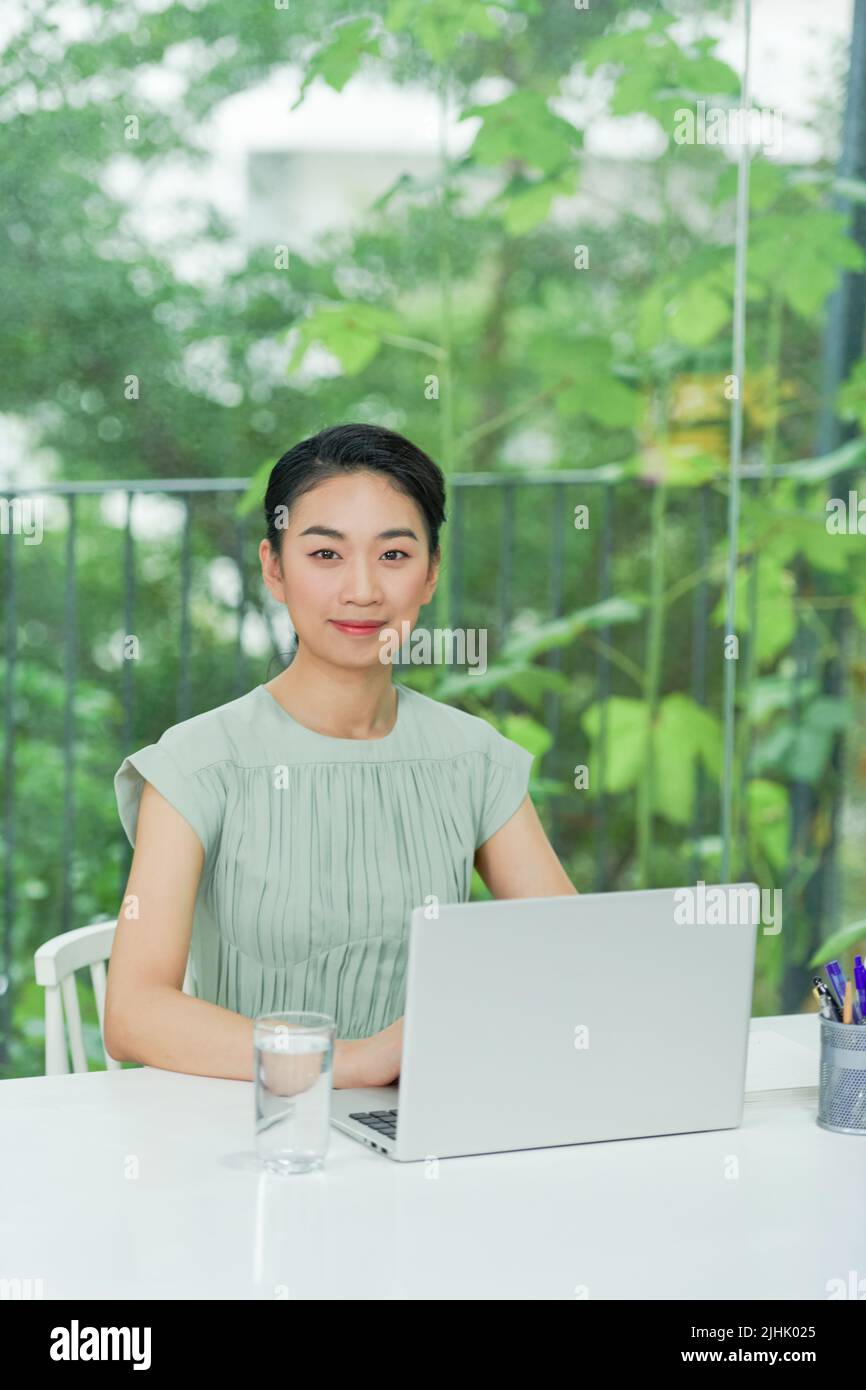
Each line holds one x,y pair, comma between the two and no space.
56,1058
69,993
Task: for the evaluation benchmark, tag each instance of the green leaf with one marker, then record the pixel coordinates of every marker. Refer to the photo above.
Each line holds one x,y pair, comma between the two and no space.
854,934
584,366
533,683
528,683
624,755
831,712
528,733
800,748
768,820
562,631
253,499
808,536
439,25
776,617
766,184
801,256
685,734
600,397
698,313
530,206
351,331
339,59
773,694
660,76
522,127
458,685
693,727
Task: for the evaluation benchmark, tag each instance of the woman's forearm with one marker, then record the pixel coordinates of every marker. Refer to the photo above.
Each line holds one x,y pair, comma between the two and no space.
178,1032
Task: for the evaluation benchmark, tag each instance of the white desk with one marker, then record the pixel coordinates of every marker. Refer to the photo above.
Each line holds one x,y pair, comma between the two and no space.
639,1218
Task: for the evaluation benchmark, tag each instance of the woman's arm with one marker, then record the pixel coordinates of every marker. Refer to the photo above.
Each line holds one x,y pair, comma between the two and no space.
148,1018
520,862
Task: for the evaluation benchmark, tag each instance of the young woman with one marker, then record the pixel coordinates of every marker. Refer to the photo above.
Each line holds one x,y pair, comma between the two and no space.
283,839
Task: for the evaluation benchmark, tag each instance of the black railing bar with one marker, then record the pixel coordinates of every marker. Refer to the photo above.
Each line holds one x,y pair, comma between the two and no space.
11,646
240,663
184,684
455,565
546,478
69,745
552,699
506,554
134,485
602,685
129,660
700,621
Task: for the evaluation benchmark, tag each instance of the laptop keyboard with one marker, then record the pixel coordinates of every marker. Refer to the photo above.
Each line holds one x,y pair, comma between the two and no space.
383,1121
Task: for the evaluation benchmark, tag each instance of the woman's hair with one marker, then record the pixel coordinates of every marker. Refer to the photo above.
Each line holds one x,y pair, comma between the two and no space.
355,448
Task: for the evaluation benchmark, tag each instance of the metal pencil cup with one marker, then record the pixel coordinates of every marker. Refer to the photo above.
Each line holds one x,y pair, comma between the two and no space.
842,1077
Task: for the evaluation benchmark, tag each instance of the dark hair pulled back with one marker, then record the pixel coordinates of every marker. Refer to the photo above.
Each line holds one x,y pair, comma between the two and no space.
356,448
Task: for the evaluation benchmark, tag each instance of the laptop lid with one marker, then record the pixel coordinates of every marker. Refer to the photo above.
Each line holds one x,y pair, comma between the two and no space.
543,1021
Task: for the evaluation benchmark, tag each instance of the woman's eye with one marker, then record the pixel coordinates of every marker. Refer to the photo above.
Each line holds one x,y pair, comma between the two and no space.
402,553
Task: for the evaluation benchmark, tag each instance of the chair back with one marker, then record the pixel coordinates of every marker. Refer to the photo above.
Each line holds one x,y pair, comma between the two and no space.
57,962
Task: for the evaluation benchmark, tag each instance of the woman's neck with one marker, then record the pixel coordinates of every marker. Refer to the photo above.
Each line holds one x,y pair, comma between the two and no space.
336,701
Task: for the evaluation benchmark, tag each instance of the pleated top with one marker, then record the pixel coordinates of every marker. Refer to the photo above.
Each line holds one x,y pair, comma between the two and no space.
318,848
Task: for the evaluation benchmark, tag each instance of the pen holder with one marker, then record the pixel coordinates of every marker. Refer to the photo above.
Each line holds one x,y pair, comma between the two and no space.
842,1077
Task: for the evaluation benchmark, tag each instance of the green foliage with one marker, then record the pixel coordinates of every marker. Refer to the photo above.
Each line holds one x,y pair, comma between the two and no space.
352,332
854,934
624,741
485,295
339,59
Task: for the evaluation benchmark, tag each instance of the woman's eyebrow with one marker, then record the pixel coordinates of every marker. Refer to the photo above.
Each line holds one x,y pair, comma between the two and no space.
340,536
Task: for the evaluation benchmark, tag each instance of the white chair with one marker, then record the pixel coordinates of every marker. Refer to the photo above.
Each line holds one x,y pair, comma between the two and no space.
56,962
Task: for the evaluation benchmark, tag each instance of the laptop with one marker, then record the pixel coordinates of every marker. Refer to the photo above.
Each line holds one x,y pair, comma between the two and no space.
536,1022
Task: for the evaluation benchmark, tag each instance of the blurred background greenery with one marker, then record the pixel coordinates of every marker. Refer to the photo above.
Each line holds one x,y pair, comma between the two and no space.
548,315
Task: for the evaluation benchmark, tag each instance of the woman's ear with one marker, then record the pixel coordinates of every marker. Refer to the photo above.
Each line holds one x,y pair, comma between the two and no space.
272,571
432,576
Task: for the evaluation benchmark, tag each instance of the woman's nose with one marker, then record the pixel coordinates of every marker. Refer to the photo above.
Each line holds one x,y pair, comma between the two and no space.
361,584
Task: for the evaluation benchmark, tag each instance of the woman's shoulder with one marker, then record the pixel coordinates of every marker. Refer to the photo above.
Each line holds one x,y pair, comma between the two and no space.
224,734
452,730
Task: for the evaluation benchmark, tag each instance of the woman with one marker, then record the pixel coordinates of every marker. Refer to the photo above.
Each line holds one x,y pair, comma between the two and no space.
283,839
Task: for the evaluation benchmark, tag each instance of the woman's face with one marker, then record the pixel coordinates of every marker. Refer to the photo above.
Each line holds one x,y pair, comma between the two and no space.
354,551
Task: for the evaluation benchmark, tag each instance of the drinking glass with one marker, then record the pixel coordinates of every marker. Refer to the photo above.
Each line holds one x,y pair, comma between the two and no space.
294,1058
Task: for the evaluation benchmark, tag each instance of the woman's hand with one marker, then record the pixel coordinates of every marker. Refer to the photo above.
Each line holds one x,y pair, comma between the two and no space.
378,1058
290,1073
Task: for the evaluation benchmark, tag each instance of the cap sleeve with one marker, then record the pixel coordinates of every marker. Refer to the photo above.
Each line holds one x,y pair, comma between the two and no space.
506,781
185,790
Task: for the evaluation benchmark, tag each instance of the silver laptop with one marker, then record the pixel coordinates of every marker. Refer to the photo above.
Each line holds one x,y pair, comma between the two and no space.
532,1022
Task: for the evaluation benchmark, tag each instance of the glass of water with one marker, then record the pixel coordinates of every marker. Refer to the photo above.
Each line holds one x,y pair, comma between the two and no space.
294,1057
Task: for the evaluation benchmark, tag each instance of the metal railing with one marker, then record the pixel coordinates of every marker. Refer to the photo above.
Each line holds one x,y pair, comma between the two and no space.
462,591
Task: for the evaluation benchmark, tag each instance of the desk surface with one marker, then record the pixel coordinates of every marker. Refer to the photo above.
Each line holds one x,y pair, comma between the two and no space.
142,1184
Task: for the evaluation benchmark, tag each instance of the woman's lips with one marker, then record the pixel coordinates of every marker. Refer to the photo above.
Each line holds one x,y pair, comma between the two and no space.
356,629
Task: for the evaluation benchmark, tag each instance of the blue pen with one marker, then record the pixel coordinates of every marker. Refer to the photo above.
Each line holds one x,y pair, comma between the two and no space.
837,980
860,987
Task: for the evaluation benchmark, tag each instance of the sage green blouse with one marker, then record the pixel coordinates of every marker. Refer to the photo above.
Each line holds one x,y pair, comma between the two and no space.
317,848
